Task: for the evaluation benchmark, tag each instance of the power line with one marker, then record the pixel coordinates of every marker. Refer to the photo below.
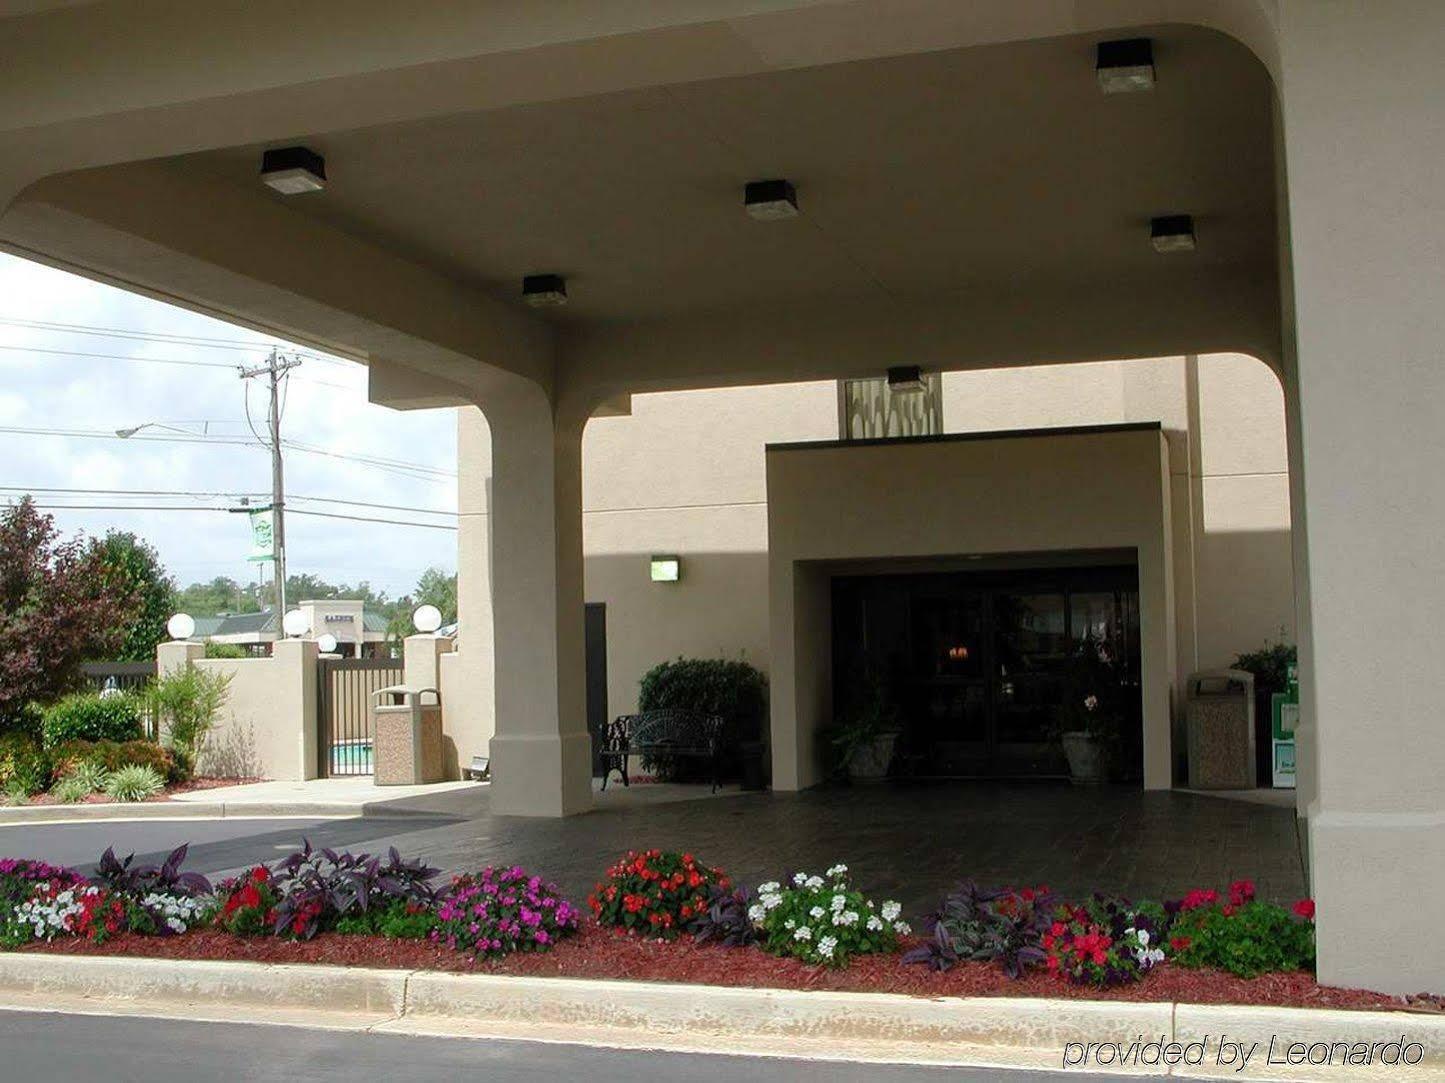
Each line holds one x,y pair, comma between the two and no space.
207,507
167,337
50,351
226,495
381,463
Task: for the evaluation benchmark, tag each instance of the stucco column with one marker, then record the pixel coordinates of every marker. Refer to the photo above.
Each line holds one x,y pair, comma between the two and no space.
541,751
177,654
1361,91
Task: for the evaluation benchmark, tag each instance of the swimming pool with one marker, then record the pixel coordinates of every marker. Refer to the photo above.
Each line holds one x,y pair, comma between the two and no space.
351,757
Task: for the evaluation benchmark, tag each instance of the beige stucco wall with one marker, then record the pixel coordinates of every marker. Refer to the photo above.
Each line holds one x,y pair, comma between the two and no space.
946,498
268,725
684,473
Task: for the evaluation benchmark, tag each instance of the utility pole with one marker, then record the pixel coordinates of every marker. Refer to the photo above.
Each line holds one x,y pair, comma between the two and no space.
275,370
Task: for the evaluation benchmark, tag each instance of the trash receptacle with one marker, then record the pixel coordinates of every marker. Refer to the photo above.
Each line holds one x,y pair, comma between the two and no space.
1219,716
406,736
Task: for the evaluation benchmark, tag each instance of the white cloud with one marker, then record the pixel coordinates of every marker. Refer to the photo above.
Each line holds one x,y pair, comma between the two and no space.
326,406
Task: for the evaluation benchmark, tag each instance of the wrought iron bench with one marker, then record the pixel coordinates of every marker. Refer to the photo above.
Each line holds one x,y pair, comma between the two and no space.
672,732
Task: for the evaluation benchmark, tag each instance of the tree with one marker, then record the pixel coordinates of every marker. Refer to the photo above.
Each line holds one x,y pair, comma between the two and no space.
134,568
221,595
58,607
437,588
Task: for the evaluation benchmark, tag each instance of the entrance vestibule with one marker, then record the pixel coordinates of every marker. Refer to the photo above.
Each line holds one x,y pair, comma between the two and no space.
980,665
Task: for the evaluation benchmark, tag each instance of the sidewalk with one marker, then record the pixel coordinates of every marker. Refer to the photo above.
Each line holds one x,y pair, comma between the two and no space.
338,798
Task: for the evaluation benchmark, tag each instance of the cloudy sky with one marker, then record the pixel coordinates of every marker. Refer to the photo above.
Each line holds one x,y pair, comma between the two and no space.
47,384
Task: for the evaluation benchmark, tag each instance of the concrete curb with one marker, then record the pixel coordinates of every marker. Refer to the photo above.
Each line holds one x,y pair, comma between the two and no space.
987,1031
211,810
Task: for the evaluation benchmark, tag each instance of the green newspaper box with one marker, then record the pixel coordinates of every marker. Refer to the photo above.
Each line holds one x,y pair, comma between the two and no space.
1284,718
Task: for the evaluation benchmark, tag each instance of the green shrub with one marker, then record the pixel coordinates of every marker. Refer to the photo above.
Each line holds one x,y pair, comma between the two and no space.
87,716
134,783
397,920
23,718
187,704
69,790
1250,939
227,650
731,688
111,756
14,794
88,773
25,767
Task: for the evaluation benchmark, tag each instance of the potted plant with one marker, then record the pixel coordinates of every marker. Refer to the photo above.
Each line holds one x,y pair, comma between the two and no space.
1091,720
863,740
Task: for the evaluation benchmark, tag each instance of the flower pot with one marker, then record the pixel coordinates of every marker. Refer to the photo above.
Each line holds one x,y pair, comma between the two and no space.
870,761
1087,766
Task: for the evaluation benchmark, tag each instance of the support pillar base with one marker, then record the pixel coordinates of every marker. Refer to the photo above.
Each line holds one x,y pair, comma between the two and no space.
1376,877
541,776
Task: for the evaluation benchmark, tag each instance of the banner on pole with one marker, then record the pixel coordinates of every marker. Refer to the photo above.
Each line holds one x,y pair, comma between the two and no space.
263,535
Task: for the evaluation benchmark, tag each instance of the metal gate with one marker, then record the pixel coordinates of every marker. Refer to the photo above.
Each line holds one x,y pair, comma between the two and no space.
343,707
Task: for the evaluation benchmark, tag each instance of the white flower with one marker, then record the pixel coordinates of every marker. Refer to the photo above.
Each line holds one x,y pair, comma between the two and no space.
790,924
873,923
1091,703
813,882
838,902
757,912
826,946
816,912
769,888
838,869
802,932
891,910
800,878
771,902
847,917
902,928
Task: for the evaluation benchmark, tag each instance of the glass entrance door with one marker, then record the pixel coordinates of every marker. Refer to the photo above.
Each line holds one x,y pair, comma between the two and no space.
977,664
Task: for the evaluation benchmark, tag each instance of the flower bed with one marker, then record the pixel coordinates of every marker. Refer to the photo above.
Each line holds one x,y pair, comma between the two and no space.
599,953
321,906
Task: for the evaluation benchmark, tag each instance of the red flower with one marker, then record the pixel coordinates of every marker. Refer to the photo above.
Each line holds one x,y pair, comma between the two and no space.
1179,943
1305,908
260,874
1227,910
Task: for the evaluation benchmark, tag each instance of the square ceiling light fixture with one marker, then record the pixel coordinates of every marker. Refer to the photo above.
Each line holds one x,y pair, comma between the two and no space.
1172,233
905,379
770,200
293,170
544,291
666,569
1125,67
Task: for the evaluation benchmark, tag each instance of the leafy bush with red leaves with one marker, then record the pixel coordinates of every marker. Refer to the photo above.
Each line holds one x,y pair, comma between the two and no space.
654,893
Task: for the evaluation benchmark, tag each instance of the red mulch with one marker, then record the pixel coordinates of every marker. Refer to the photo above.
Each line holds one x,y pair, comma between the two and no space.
165,795
602,953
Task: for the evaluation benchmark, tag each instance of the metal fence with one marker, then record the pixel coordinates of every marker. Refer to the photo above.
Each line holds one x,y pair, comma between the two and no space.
343,704
125,676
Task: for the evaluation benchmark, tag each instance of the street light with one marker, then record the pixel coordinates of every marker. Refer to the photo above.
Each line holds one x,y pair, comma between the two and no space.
126,434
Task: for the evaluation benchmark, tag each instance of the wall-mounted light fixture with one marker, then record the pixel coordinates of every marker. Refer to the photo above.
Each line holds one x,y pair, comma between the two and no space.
544,291
666,569
1125,67
1172,233
770,200
293,170
905,379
